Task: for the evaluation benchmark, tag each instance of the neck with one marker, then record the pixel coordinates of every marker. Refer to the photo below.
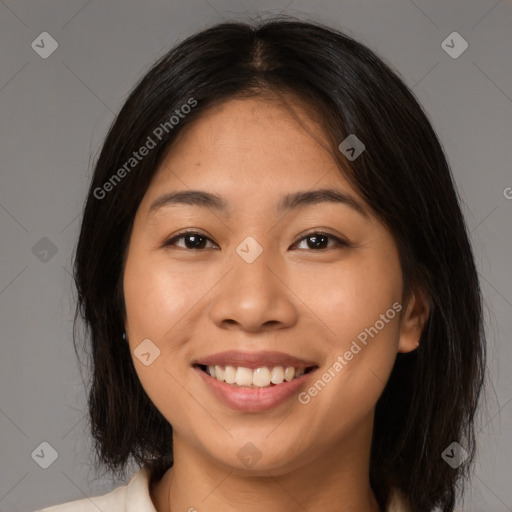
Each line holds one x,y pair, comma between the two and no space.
332,479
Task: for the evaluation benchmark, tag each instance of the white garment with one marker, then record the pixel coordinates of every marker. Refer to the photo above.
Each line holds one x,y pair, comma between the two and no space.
134,497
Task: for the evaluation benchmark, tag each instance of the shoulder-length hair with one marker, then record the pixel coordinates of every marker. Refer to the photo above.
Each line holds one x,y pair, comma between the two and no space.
431,397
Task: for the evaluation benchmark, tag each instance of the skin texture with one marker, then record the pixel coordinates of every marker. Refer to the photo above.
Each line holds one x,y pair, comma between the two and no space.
305,301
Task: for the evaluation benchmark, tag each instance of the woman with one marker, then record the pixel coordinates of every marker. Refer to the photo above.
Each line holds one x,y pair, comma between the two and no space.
280,295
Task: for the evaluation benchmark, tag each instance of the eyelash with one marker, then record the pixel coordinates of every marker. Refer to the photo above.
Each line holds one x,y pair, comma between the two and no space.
339,241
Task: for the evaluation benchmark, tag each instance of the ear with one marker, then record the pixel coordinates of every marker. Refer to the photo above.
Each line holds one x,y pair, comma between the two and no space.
413,321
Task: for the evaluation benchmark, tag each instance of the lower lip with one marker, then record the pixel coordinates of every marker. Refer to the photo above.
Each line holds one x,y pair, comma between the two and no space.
253,399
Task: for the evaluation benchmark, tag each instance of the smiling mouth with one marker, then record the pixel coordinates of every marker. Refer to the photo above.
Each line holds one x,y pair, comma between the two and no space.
263,377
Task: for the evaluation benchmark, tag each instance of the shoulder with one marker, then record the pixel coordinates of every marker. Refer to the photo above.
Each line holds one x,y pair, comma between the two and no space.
133,497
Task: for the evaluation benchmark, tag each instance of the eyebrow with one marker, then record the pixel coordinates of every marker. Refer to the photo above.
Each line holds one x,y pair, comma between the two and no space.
287,203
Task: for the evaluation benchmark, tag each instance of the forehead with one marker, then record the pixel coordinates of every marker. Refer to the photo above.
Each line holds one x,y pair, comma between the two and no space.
249,146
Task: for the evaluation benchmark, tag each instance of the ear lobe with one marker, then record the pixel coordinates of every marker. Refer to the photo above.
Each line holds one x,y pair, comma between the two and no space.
413,321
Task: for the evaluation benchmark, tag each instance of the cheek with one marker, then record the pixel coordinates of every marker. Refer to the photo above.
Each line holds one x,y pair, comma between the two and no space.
156,296
360,304
156,300
350,297
359,364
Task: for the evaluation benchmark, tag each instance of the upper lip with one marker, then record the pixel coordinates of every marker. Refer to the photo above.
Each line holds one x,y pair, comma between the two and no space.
253,360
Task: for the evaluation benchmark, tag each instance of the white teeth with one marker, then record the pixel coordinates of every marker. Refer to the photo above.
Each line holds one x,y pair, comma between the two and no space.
277,375
230,374
243,376
289,373
219,373
260,377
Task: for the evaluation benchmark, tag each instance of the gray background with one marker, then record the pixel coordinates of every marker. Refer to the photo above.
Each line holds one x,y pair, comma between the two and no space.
54,114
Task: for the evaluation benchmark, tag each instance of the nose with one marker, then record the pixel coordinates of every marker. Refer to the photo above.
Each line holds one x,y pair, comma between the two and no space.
254,297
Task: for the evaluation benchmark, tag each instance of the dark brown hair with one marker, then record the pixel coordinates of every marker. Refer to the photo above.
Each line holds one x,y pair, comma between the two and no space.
432,394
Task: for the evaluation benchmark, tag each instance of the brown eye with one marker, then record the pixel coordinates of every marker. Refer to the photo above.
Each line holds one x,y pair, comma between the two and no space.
319,241
191,240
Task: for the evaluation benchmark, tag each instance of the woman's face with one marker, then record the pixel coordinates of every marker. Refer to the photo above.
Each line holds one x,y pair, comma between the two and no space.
256,277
